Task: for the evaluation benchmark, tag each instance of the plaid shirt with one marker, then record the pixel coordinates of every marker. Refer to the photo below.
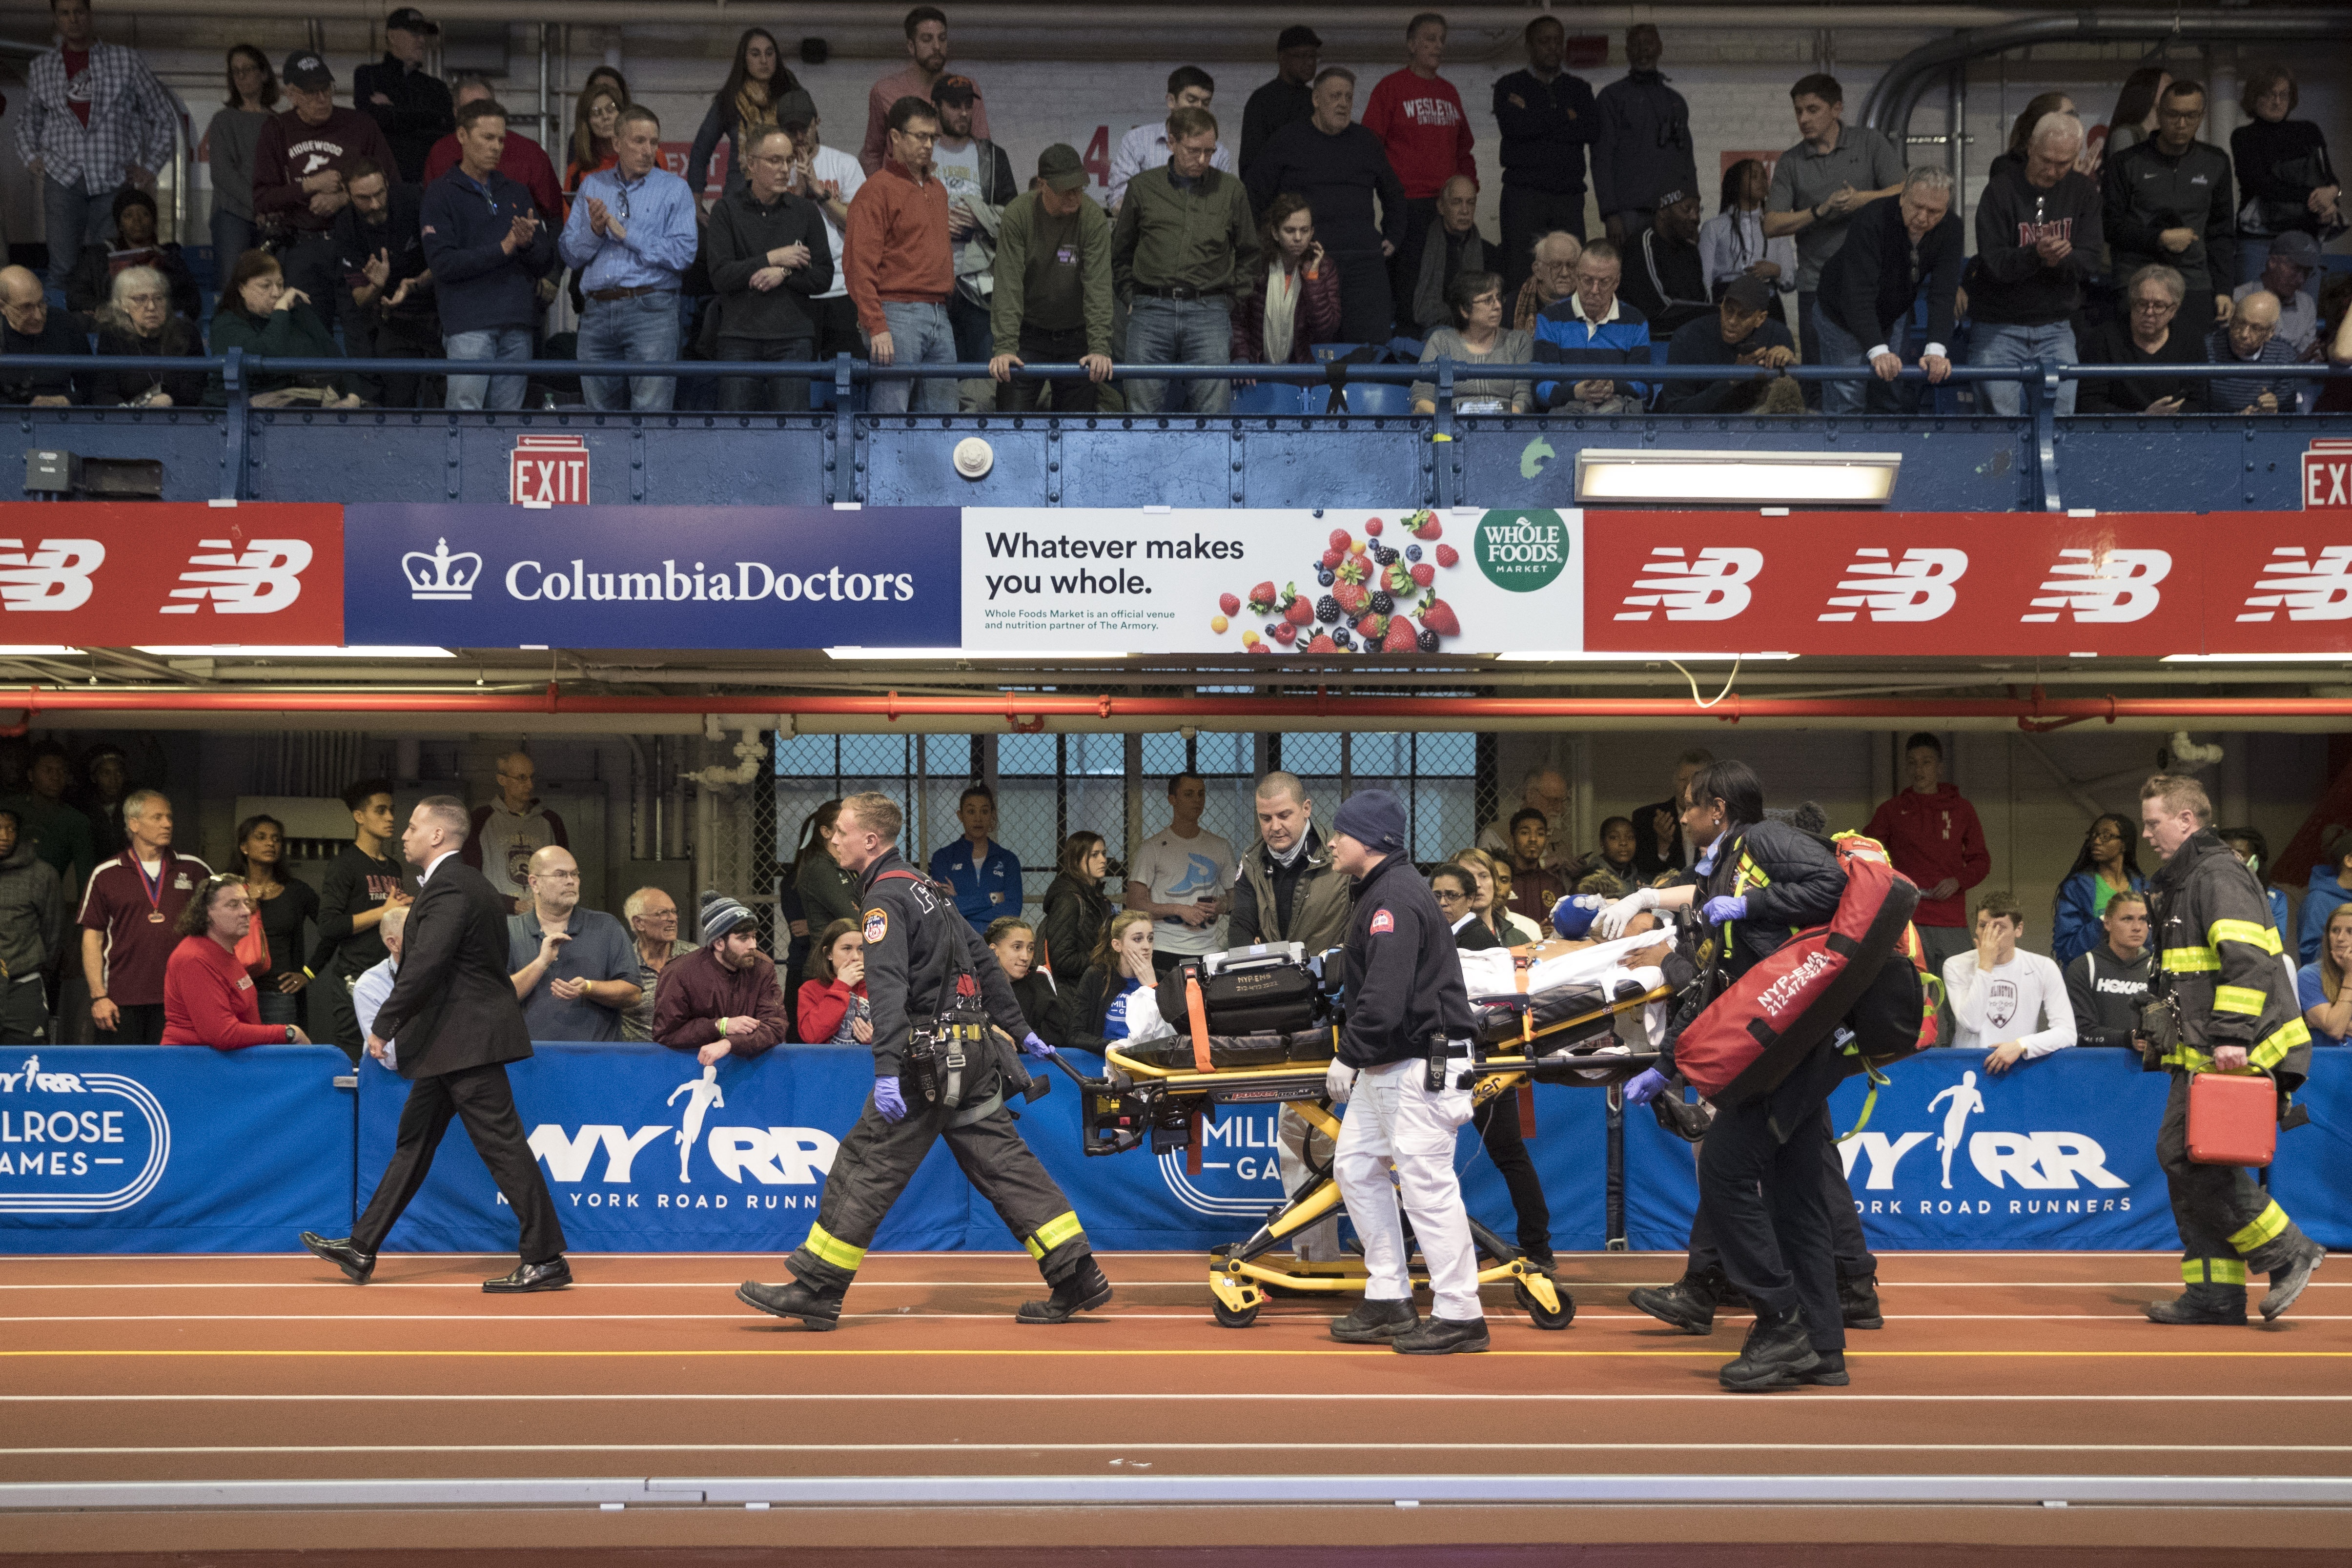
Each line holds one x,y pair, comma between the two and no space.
131,120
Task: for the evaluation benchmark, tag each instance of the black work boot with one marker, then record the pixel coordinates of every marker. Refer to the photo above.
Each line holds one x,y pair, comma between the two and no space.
1830,1374
1442,1337
2219,1305
1687,1304
1373,1322
2287,1282
1081,1292
1858,1302
1779,1355
819,1310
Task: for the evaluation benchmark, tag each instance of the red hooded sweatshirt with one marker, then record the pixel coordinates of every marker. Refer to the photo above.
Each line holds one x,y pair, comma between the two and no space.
1931,837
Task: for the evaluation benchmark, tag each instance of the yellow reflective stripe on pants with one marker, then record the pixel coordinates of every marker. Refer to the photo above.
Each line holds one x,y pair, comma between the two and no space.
2265,1229
2273,1049
1064,1227
840,1254
2265,938
2243,999
2213,1271
2191,961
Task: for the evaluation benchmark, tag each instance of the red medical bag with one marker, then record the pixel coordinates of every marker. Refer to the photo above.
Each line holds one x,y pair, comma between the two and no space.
2232,1119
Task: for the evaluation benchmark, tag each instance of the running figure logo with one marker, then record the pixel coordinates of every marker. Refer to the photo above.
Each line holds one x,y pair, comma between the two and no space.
707,1093
1966,1101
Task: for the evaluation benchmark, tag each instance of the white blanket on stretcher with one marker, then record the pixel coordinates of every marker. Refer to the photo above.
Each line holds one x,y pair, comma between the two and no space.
1491,977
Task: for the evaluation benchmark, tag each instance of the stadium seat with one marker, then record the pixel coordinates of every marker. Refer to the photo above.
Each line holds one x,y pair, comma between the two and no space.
1370,398
1268,397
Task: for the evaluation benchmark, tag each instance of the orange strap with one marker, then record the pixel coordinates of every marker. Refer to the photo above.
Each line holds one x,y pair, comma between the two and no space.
1199,1011
1192,1144
1519,968
1527,1109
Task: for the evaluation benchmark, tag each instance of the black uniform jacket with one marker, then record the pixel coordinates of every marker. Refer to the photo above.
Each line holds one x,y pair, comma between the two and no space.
454,1004
910,964
1403,981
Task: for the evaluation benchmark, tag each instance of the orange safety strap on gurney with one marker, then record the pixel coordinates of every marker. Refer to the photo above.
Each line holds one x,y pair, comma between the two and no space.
1192,1144
1527,1109
1199,1011
1519,968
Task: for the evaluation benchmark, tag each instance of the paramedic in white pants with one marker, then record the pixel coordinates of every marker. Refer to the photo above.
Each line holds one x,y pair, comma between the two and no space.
1403,989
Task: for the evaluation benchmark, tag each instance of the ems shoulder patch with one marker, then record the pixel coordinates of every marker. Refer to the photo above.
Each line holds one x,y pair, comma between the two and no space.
878,925
1382,922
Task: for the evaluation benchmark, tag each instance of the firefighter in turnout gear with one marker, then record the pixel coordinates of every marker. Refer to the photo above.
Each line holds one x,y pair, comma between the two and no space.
933,987
2225,1002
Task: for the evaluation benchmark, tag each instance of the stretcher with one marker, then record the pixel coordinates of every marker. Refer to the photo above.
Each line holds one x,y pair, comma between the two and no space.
1596,1035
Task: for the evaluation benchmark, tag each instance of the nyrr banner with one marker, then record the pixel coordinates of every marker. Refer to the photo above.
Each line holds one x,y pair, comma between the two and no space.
173,1149
651,577
100,574
1275,583
2057,1154
2143,584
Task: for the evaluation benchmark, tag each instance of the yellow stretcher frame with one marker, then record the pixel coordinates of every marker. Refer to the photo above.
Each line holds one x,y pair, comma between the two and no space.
1239,1285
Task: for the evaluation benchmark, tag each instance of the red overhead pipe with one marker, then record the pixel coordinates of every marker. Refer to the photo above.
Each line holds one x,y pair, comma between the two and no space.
2035,712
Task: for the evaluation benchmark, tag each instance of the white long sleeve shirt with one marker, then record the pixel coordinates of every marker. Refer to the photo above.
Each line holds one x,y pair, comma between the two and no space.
1998,1005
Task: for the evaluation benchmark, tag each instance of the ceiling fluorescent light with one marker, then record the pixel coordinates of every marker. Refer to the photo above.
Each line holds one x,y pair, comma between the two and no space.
34,651
907,653
1589,657
2256,659
1737,478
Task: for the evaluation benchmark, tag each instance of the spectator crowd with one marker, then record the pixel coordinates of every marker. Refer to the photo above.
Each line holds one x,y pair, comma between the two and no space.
109,933
416,223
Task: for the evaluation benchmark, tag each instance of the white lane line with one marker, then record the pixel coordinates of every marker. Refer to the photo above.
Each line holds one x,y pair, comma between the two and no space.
864,1284
1130,1400
1298,1317
1150,1445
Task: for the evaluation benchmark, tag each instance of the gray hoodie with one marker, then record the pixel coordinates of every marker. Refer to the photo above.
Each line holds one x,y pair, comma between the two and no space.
32,912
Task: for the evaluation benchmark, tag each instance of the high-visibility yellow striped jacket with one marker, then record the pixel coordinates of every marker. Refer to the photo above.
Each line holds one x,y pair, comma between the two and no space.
2219,958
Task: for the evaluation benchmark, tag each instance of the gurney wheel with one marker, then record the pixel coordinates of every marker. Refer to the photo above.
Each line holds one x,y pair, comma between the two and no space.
1544,1317
1229,1318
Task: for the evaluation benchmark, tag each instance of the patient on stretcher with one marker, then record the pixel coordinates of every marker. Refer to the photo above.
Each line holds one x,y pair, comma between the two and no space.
1517,992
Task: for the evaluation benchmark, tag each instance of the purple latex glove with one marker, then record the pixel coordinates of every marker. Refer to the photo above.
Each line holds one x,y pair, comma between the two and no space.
1641,1091
1031,1046
1722,911
888,1100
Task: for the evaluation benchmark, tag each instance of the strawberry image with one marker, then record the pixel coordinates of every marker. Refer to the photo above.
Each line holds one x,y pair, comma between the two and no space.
1424,527
1341,541
1423,574
1262,598
1322,644
1284,632
1438,616
1397,577
1352,570
1332,558
1373,525
1258,648
1351,597
1447,555
1229,604
1399,638
1301,612
1372,628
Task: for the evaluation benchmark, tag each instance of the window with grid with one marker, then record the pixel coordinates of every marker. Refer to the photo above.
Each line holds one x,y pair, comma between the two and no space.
1438,776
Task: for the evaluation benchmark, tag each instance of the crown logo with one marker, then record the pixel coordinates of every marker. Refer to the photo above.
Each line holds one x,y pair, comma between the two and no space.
441,574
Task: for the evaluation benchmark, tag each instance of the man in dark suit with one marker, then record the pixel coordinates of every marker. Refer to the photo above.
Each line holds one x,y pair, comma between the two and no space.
454,1011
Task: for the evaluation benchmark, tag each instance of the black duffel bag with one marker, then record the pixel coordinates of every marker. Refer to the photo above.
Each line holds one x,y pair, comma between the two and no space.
1266,990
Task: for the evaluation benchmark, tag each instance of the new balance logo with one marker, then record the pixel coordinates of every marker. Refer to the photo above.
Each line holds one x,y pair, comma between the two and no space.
1919,586
53,575
1711,586
2094,589
2307,589
261,579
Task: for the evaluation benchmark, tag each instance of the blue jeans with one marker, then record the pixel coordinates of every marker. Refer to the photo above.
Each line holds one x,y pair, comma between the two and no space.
1995,343
232,237
643,329
1839,347
1180,332
919,335
70,219
503,392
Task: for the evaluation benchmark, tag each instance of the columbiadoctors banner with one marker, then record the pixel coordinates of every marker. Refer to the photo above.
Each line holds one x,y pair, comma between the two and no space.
1331,582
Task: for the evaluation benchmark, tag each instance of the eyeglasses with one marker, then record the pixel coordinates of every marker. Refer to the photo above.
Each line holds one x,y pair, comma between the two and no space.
1450,896
2157,307
144,299
921,138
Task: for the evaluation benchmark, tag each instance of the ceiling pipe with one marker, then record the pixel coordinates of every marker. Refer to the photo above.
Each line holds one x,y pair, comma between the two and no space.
1894,95
2036,712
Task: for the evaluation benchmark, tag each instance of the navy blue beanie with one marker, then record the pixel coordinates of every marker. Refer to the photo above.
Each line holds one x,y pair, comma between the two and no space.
1374,818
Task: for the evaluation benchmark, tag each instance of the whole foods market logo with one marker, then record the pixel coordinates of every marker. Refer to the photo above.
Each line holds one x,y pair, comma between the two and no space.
1521,551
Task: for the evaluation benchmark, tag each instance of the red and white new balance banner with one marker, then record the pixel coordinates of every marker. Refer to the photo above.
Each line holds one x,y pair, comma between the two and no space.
97,574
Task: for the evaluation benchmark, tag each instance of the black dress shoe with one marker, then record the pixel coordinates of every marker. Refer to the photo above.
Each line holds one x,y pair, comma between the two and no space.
552,1275
1442,1337
356,1264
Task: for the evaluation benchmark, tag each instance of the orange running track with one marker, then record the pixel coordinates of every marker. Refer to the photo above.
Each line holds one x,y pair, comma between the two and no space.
255,1369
